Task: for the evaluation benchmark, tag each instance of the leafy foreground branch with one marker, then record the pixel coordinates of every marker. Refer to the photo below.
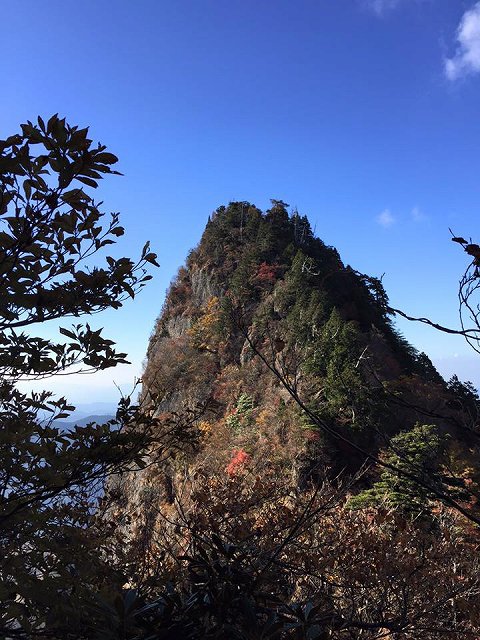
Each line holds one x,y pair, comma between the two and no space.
53,557
468,305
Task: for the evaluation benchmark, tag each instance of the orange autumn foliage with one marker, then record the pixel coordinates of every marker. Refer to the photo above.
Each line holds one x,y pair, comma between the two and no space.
238,462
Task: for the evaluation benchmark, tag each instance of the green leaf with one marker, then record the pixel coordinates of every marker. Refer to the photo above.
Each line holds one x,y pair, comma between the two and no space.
106,158
87,181
51,123
66,332
27,188
152,259
129,289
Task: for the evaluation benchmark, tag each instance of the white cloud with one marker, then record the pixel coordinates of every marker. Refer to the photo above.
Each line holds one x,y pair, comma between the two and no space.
385,219
381,7
467,56
418,215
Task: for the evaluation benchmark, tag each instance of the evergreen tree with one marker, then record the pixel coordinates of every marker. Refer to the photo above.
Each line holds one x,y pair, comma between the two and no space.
418,452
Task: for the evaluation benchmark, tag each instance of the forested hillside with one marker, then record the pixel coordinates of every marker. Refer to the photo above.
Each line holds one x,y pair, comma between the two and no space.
317,478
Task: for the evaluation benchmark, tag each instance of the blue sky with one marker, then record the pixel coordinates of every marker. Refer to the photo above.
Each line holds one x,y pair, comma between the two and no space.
364,114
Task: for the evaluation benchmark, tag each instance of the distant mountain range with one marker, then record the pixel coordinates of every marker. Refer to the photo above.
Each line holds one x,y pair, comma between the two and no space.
81,422
99,412
94,409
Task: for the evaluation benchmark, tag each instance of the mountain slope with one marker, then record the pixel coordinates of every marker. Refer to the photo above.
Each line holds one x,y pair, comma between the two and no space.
312,473
263,282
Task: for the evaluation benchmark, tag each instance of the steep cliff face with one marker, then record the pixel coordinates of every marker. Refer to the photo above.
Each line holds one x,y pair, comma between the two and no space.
284,403
262,316
265,277
271,353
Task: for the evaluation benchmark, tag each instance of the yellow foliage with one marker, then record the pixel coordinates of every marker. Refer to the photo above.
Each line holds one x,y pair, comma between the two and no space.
204,330
263,419
204,427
